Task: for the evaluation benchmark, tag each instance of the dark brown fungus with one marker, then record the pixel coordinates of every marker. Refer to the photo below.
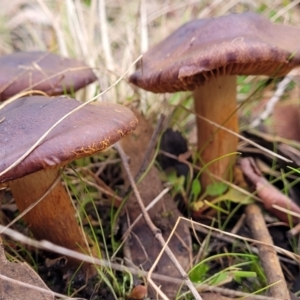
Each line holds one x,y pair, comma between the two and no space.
43,71
204,56
89,130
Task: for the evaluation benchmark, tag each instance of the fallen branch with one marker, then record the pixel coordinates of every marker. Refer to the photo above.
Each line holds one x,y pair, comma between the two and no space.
267,254
45,245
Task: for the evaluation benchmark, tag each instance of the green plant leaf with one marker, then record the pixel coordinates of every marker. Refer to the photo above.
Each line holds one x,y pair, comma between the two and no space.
239,275
220,278
197,274
216,189
196,187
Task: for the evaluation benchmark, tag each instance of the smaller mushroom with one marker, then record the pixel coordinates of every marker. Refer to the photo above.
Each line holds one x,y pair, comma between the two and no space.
87,131
204,56
43,71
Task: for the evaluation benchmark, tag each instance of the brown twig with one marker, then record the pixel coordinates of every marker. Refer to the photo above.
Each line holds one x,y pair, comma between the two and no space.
45,245
156,231
224,291
270,195
222,236
267,254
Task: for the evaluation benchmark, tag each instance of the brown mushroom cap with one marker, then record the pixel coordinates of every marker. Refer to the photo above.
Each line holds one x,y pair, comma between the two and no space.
86,131
237,44
47,72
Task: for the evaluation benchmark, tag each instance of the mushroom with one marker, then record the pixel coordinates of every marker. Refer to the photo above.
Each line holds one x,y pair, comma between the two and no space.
204,56
44,71
87,131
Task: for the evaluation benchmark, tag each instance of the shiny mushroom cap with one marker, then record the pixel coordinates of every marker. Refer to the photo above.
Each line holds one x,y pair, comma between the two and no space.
237,44
85,132
47,72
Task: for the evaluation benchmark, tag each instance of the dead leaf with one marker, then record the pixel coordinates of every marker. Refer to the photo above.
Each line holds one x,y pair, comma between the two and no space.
142,248
20,272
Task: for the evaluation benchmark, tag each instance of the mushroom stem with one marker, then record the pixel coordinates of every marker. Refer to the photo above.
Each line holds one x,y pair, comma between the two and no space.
216,101
52,219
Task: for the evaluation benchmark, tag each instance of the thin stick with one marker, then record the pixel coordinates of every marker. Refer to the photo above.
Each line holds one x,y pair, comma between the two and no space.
156,231
279,250
57,29
45,245
267,254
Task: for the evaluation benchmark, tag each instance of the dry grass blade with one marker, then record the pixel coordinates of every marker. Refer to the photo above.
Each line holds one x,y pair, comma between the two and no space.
101,262
196,225
144,26
45,245
57,27
105,36
245,139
